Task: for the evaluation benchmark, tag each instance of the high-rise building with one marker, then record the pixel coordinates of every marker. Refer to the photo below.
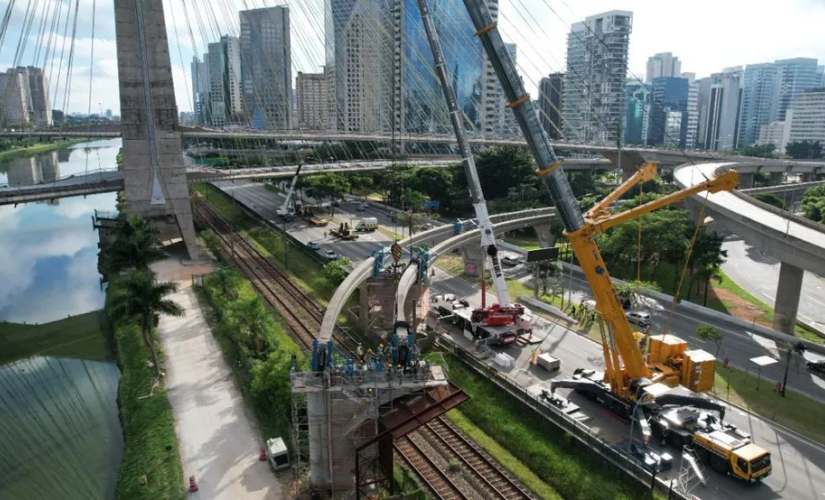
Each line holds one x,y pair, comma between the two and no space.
663,64
806,117
313,101
550,92
720,99
669,112
14,98
360,46
793,76
422,98
40,109
757,101
266,67
772,133
491,93
594,87
225,96
637,113
109,114
508,126
200,87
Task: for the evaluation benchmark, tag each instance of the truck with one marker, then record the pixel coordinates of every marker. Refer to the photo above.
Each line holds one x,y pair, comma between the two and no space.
367,224
724,447
630,383
285,212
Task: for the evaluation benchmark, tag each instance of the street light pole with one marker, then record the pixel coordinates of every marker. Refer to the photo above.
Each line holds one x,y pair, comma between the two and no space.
286,253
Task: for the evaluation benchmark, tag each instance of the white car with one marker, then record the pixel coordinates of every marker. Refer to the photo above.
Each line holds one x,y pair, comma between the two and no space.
313,245
638,318
330,254
510,261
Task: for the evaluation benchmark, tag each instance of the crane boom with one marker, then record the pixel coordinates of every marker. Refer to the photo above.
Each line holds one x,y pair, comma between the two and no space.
284,210
488,239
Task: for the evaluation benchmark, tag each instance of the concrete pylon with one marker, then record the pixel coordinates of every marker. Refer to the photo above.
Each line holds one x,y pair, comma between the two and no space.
746,181
776,178
473,258
787,298
153,171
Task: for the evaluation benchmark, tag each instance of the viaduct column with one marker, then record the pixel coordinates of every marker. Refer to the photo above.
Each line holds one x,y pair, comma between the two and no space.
154,173
745,181
787,298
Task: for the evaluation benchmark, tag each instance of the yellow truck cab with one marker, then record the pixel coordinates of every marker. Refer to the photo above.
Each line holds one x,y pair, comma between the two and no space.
731,452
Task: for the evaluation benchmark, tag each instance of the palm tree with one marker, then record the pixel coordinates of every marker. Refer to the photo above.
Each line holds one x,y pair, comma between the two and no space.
226,279
138,297
254,322
136,245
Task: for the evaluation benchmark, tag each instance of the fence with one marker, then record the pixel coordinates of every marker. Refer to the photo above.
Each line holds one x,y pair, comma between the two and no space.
611,456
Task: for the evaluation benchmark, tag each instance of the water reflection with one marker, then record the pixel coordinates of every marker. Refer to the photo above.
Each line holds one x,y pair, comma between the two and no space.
49,269
60,432
34,170
47,167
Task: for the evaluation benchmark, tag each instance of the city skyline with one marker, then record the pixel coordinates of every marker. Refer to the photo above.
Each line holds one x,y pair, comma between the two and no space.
539,53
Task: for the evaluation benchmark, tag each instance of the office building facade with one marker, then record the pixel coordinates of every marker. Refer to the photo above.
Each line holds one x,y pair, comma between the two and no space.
662,64
551,88
313,101
637,114
793,76
266,67
720,99
669,112
772,133
225,95
757,101
594,87
200,88
806,117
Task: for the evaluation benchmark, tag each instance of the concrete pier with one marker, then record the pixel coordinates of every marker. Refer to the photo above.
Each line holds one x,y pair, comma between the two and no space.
787,298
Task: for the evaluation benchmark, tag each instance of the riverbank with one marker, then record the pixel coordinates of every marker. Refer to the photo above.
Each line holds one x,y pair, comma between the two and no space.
38,148
151,466
80,337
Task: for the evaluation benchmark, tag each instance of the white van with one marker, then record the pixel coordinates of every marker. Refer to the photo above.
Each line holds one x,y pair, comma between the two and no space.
367,224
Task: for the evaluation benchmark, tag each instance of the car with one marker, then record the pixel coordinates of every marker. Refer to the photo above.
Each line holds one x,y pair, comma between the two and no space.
330,254
362,207
638,318
817,366
313,245
510,261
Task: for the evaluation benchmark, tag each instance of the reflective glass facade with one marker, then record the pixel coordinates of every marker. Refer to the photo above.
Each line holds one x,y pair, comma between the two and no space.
424,106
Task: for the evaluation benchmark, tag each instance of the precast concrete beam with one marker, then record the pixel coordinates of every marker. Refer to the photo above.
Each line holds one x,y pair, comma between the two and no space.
787,298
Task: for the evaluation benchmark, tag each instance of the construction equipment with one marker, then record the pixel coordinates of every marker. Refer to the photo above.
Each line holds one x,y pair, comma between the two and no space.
513,319
285,212
344,232
629,384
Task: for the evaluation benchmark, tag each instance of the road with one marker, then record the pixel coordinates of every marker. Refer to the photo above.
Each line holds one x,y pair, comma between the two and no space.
799,465
218,441
758,273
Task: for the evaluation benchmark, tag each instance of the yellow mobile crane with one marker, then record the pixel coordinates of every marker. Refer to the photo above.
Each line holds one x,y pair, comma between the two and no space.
630,386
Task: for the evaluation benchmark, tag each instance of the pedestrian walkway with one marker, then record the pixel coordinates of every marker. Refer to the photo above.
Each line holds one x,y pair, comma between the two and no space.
218,441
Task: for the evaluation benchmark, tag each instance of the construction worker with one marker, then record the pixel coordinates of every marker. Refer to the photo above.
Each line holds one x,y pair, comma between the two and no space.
359,351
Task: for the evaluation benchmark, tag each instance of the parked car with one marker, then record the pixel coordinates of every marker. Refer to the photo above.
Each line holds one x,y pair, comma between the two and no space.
330,254
817,366
313,245
638,318
510,261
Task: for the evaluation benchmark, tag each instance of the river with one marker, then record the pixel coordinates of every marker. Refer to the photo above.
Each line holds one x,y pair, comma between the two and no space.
60,436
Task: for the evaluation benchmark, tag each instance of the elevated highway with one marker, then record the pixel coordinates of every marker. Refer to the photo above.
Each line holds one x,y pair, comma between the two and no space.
797,242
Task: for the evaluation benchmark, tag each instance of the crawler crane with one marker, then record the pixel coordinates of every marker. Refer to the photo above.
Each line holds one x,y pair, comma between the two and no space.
629,383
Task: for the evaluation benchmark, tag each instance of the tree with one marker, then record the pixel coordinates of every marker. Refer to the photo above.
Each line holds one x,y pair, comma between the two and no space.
413,200
362,182
254,323
770,199
813,203
139,297
336,271
707,258
709,333
804,149
227,280
136,245
436,183
759,151
329,186
500,169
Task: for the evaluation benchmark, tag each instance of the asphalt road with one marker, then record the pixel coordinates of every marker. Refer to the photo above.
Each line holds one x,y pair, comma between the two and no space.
799,464
758,273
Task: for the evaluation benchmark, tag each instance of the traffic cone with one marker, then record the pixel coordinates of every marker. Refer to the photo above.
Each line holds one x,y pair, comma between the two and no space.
262,456
193,486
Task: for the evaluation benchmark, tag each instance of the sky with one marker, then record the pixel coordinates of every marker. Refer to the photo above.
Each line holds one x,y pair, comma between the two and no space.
706,35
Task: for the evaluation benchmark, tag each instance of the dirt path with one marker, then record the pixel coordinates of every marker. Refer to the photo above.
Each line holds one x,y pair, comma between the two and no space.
218,442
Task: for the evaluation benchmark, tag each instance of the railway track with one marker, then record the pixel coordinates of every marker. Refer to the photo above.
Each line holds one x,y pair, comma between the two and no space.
304,316
301,312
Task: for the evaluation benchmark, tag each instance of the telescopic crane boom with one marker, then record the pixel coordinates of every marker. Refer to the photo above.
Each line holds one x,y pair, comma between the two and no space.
284,210
504,312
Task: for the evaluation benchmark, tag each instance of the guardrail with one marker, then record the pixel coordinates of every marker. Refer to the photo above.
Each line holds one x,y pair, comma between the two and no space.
609,455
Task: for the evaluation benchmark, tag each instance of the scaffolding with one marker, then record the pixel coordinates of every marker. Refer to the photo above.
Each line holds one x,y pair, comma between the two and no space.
691,473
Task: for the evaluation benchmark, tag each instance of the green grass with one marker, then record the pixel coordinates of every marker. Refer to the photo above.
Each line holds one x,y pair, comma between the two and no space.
390,234
150,445
38,148
553,456
82,337
795,411
503,456
524,242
